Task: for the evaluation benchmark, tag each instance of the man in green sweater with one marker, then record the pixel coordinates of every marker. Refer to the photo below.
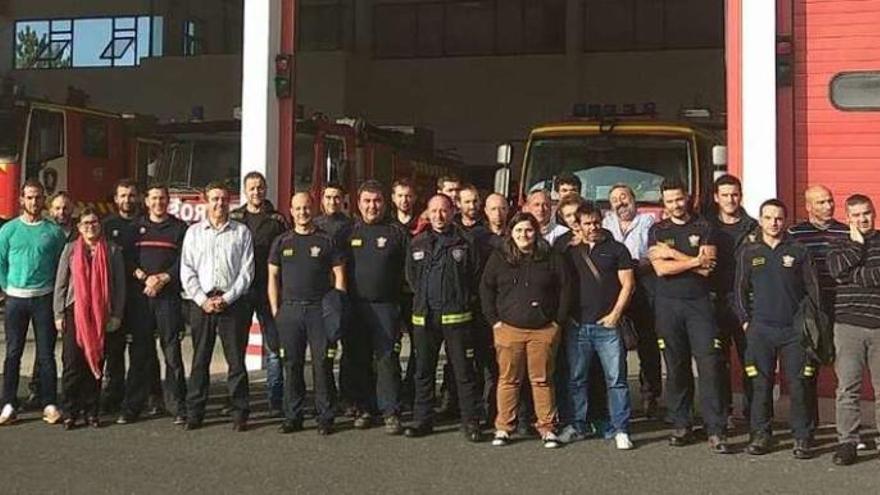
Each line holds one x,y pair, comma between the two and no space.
29,251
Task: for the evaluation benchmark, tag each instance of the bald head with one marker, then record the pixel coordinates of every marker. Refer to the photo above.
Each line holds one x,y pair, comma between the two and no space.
301,205
496,211
439,212
819,203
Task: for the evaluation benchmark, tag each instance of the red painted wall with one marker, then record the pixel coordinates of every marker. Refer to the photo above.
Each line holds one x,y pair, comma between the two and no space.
840,149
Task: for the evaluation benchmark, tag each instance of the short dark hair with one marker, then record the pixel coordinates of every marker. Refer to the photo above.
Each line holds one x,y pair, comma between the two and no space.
126,183
728,180
253,175
569,179
776,203
447,178
588,208
372,186
672,185
403,182
858,199
158,185
333,185
471,187
33,184
88,211
215,184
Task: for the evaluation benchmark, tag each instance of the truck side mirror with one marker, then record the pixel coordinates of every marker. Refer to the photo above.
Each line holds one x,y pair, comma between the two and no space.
719,160
502,181
504,155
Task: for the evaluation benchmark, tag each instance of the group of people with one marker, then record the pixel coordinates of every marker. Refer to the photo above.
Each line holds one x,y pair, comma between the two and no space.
536,310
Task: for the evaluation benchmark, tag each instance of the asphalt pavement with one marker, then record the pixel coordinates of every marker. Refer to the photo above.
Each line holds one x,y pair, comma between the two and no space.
154,456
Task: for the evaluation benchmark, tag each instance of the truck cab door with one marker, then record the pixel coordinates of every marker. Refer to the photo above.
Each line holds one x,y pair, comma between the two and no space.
46,157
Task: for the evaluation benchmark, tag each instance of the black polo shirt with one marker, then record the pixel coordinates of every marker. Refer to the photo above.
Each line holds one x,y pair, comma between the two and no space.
772,282
687,239
375,266
157,249
596,298
729,237
306,263
122,232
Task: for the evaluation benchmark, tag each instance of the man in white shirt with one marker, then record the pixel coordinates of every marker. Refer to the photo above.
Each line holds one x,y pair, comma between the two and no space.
216,270
630,227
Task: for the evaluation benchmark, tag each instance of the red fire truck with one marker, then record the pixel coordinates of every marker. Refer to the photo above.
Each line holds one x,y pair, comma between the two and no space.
85,151
82,151
346,151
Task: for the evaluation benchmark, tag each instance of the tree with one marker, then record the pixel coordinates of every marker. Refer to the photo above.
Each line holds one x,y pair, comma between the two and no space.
29,46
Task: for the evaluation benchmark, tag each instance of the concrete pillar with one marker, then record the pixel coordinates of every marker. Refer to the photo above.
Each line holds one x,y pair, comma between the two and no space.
259,106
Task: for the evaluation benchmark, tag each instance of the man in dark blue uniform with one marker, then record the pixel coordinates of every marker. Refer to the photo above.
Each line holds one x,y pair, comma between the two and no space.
732,228
378,250
683,253
156,306
265,224
442,270
773,276
304,265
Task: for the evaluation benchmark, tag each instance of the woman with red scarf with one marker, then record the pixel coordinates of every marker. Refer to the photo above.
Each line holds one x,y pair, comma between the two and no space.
89,300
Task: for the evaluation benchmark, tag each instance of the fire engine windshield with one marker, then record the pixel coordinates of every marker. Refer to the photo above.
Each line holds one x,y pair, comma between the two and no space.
193,161
601,161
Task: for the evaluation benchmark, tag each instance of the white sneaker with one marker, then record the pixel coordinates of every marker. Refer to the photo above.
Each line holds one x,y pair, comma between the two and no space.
551,441
570,434
51,414
622,441
7,415
501,439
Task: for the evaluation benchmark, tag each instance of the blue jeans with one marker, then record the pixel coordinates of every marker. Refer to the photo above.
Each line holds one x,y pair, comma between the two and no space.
274,375
19,314
580,343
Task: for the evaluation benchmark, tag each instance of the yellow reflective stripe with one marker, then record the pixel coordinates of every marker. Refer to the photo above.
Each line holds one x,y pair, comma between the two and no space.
661,344
448,319
751,371
453,318
809,371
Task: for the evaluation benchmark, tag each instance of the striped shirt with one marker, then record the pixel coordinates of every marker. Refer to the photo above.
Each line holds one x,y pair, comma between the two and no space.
817,241
216,260
856,268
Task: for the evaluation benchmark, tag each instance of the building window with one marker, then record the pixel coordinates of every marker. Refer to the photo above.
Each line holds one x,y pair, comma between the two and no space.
447,28
627,25
87,42
193,42
324,25
857,91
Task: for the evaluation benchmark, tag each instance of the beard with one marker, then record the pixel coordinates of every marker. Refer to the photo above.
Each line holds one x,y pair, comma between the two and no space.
626,212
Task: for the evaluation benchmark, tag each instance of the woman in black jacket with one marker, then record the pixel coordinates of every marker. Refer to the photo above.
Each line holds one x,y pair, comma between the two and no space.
525,296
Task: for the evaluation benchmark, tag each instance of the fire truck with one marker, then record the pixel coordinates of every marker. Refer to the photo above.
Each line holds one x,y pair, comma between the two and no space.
86,151
79,150
603,151
345,151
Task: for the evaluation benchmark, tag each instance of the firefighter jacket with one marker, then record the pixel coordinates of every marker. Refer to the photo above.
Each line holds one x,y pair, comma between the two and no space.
443,271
